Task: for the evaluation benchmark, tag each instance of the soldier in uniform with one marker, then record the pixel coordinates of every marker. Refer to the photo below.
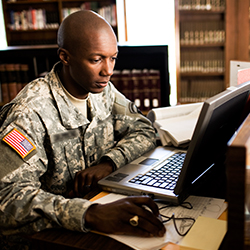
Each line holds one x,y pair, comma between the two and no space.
64,132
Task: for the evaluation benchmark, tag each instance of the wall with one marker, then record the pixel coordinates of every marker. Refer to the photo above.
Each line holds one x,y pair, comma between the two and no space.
150,24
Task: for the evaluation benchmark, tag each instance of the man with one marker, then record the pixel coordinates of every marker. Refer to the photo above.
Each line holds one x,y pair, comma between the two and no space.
66,131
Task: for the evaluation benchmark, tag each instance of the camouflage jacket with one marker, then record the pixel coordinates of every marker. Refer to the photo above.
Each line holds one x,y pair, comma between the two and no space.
59,141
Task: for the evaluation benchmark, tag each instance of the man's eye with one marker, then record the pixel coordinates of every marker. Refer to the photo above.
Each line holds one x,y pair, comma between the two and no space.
96,60
114,58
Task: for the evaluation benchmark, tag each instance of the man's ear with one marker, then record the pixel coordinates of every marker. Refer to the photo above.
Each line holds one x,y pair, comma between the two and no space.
64,56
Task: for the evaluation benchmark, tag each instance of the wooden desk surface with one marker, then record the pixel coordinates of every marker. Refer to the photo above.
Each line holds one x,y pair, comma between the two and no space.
68,240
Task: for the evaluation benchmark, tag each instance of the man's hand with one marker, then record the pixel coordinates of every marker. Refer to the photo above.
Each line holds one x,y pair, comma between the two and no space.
87,179
113,218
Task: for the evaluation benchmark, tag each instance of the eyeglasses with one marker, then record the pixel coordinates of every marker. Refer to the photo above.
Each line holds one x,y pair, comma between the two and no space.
183,224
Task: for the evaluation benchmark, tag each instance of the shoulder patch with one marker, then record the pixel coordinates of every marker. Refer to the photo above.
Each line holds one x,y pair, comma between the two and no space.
22,145
133,108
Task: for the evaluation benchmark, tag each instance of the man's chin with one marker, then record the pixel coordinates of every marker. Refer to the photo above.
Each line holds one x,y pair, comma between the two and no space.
96,91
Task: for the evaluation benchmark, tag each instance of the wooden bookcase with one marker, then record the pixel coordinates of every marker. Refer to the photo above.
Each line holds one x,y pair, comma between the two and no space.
231,43
35,46
47,15
31,31
210,34
41,58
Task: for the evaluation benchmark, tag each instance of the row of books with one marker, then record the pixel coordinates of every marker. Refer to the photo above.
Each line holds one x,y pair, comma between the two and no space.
13,77
202,32
199,90
33,19
143,87
202,61
107,12
36,19
213,5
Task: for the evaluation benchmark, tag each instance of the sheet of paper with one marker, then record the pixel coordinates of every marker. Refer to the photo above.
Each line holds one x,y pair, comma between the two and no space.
206,234
202,206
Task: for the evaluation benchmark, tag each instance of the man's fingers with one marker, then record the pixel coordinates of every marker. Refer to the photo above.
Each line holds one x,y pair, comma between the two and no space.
82,184
149,222
146,201
150,228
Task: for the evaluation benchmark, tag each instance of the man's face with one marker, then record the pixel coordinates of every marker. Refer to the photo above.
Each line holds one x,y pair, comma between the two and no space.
91,67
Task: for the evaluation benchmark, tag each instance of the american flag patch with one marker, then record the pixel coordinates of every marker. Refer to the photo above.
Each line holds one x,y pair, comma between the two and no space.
19,142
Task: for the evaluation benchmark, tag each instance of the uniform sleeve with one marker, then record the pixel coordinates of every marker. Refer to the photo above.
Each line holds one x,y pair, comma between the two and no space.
134,133
24,205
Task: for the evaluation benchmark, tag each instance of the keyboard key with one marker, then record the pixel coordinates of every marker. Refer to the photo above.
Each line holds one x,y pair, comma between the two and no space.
164,176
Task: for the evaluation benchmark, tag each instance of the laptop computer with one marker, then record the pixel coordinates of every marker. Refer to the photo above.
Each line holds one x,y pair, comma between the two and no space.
219,118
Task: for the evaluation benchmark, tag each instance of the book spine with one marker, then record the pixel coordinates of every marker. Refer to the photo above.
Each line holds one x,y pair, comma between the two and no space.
40,19
155,88
29,19
127,86
24,20
116,80
137,88
113,15
11,78
34,19
146,94
18,77
4,84
17,21
24,72
12,20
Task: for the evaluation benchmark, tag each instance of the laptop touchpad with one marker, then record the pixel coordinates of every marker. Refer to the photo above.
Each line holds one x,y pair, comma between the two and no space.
148,161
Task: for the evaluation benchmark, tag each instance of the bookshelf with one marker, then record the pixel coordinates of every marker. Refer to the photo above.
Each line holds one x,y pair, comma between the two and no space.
40,58
35,22
147,69
29,63
210,34
34,44
200,63
31,31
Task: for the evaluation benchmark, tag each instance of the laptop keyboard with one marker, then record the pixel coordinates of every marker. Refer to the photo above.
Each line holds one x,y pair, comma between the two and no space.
164,176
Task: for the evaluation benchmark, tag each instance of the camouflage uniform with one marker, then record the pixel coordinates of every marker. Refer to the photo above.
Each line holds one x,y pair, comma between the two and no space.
33,187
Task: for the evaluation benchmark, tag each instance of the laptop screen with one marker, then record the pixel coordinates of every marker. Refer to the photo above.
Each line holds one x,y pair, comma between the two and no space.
219,119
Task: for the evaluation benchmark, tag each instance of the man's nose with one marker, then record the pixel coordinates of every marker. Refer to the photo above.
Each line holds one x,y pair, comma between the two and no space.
107,68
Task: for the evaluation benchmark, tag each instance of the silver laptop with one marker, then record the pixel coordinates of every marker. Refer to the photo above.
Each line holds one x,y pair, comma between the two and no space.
219,118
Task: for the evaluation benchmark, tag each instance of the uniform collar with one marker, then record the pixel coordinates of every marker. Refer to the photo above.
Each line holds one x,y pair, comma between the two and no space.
71,117
98,109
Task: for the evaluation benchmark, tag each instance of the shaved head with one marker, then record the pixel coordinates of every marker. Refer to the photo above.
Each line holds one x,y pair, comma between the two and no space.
79,29
87,51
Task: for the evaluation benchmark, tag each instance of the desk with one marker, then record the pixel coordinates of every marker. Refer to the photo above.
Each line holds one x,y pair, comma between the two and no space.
67,240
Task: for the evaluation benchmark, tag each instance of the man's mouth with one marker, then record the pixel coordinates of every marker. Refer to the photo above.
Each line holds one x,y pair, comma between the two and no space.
101,84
